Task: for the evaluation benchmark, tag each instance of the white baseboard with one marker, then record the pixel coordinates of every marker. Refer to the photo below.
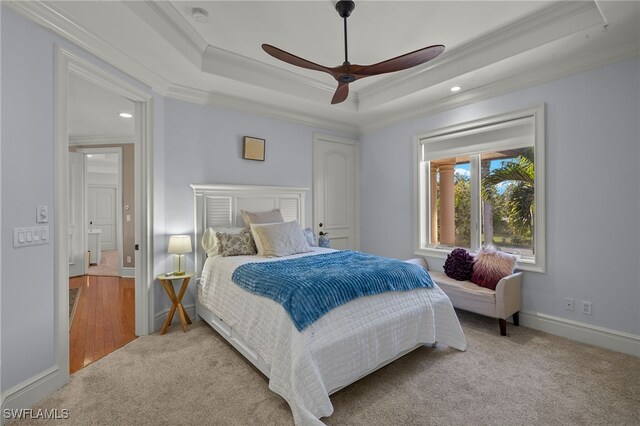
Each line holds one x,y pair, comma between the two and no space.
586,333
128,272
33,390
161,317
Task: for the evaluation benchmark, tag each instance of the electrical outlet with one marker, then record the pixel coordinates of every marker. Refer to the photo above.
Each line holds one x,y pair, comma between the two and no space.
568,304
128,259
586,307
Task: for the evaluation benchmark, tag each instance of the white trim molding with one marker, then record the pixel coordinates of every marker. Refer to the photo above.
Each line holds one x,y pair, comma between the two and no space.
585,333
33,390
101,140
559,20
551,23
208,97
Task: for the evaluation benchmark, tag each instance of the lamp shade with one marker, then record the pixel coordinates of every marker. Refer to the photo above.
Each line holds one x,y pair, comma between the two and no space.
179,244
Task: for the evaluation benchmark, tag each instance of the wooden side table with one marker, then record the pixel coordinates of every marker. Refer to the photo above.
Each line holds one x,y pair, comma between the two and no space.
167,283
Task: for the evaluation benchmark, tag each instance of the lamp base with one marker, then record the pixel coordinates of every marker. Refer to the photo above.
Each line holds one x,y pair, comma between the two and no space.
178,273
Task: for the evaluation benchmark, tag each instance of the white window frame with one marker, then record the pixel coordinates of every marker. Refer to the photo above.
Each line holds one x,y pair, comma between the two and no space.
450,134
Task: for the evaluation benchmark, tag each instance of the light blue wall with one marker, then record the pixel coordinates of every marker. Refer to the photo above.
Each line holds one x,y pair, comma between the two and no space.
593,201
27,168
204,145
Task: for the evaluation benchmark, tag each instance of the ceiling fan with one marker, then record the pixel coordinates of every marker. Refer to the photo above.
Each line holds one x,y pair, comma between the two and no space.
348,73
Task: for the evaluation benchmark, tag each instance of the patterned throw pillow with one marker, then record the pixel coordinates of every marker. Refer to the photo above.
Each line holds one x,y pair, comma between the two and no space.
491,266
240,244
210,241
311,237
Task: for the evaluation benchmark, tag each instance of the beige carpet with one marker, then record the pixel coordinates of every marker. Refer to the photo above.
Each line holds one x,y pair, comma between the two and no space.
108,264
526,378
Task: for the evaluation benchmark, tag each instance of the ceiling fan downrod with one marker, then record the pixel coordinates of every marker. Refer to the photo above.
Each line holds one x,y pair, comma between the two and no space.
344,9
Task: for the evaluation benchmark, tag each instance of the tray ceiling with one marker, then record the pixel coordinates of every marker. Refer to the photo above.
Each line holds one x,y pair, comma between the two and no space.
491,47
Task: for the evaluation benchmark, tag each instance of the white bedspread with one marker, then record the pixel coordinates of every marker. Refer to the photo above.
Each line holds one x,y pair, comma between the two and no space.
342,346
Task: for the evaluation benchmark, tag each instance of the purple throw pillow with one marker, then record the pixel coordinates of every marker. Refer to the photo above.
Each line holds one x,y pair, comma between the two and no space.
459,265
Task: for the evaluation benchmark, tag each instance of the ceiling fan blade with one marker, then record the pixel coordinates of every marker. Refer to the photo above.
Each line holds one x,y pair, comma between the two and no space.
399,63
341,93
293,59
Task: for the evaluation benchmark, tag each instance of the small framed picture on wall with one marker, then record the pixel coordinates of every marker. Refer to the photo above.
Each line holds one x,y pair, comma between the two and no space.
253,148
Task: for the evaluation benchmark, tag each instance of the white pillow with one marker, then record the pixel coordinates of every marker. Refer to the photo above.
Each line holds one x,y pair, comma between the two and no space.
280,239
273,216
210,242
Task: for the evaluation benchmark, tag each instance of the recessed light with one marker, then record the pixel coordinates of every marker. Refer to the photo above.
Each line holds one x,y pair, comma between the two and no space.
89,155
125,115
456,88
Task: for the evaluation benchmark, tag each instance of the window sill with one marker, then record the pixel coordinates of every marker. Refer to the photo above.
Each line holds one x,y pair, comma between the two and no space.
523,265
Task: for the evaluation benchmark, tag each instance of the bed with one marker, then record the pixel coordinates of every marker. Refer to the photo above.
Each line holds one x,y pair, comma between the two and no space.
346,344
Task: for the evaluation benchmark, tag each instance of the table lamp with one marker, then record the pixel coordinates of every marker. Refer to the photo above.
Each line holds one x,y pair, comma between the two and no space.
179,245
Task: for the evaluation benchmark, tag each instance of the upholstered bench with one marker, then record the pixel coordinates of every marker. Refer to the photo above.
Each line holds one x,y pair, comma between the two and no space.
502,303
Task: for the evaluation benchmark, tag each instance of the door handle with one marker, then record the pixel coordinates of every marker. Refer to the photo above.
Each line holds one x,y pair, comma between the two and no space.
136,247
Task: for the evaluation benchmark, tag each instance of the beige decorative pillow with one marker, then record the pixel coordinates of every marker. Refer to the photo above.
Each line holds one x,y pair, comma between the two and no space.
280,239
273,216
256,237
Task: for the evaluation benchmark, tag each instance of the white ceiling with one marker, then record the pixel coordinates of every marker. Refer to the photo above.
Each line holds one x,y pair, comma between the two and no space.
491,48
93,111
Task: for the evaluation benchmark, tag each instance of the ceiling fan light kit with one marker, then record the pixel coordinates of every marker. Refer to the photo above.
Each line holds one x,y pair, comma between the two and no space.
347,72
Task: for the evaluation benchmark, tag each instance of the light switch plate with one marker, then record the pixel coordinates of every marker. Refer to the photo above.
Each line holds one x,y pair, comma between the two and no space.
30,236
42,214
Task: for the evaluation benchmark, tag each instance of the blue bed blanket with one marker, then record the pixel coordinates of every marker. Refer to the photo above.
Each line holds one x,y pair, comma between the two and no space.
309,287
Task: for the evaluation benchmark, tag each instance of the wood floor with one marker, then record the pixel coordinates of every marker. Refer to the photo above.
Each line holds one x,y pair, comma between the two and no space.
104,318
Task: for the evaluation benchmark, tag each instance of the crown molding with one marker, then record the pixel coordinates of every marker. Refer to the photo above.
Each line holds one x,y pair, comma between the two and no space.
172,26
535,76
48,15
551,23
101,140
203,97
237,67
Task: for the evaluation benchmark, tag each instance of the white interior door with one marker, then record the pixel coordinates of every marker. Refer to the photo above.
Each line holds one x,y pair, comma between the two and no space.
335,194
77,250
102,214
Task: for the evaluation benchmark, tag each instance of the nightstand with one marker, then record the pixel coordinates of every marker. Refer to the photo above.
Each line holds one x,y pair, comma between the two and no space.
167,283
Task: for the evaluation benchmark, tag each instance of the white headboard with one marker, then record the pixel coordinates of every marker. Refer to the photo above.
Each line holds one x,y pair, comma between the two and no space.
220,205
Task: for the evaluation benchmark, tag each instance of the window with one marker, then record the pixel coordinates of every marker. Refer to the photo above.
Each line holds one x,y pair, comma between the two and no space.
482,183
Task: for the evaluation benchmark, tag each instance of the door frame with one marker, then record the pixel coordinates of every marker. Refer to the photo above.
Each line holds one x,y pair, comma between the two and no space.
318,138
119,192
68,63
82,220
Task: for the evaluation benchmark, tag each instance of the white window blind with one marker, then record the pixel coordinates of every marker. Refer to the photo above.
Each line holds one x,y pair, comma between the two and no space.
517,133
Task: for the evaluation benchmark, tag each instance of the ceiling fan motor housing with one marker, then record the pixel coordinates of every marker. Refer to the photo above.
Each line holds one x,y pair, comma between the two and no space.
345,8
